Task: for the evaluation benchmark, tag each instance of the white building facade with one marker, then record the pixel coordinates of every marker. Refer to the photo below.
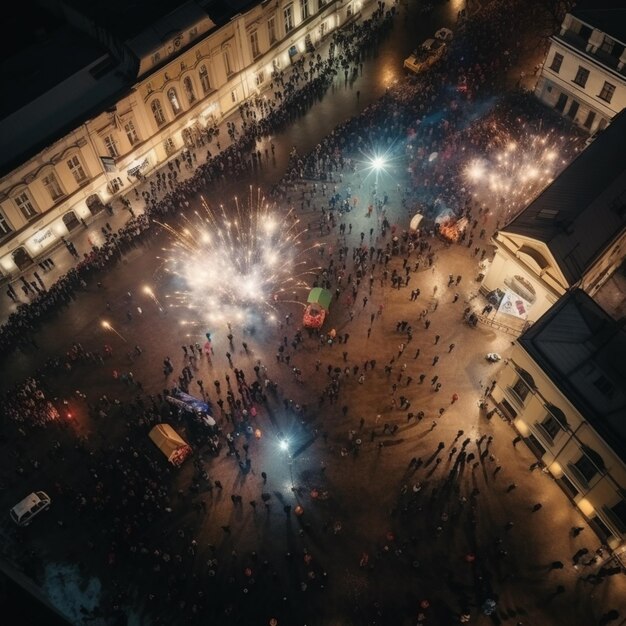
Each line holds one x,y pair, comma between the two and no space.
190,78
569,404
584,74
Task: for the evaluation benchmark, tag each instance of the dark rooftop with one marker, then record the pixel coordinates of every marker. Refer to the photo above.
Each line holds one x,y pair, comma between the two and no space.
609,20
581,348
55,54
582,211
125,18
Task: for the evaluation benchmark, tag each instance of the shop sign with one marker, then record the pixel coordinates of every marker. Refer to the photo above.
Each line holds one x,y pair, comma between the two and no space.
42,235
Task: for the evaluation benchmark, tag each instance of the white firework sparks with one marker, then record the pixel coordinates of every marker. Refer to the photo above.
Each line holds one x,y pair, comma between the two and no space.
238,262
517,170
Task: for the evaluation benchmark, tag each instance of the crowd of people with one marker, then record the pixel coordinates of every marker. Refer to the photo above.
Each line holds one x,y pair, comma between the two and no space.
122,491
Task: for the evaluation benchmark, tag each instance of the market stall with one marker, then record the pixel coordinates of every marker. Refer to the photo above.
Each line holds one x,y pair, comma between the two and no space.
173,446
318,304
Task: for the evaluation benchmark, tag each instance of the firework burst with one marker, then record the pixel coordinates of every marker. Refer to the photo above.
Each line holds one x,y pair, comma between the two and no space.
237,262
517,168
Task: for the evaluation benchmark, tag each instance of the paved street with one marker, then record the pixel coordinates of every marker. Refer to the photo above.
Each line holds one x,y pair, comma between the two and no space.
394,529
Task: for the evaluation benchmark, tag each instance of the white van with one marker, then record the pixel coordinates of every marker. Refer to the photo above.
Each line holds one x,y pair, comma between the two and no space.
23,512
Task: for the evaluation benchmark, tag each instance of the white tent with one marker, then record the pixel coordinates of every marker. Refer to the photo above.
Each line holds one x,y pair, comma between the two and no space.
416,220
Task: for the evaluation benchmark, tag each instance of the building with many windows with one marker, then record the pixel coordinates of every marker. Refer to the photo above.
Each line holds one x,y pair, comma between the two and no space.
564,388
105,92
584,75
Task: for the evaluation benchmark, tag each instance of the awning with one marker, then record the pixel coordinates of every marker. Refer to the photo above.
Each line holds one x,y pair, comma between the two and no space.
320,296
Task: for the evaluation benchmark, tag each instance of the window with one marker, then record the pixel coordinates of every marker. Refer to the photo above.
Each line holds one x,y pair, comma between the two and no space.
349,11
304,9
169,146
323,30
259,78
560,103
131,133
25,204
288,17
271,30
233,96
76,167
591,116
554,422
521,389
174,102
581,76
52,186
607,92
227,63
619,511
111,146
551,426
157,111
573,109
189,90
586,467
5,229
557,60
254,44
204,79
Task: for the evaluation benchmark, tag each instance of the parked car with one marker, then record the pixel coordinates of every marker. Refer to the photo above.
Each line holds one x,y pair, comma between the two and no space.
425,56
493,357
33,504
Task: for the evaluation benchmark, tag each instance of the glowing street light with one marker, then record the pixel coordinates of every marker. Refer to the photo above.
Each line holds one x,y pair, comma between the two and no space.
378,163
107,326
283,444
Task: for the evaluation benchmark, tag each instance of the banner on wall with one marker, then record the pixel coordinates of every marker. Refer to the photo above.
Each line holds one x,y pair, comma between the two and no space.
514,304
